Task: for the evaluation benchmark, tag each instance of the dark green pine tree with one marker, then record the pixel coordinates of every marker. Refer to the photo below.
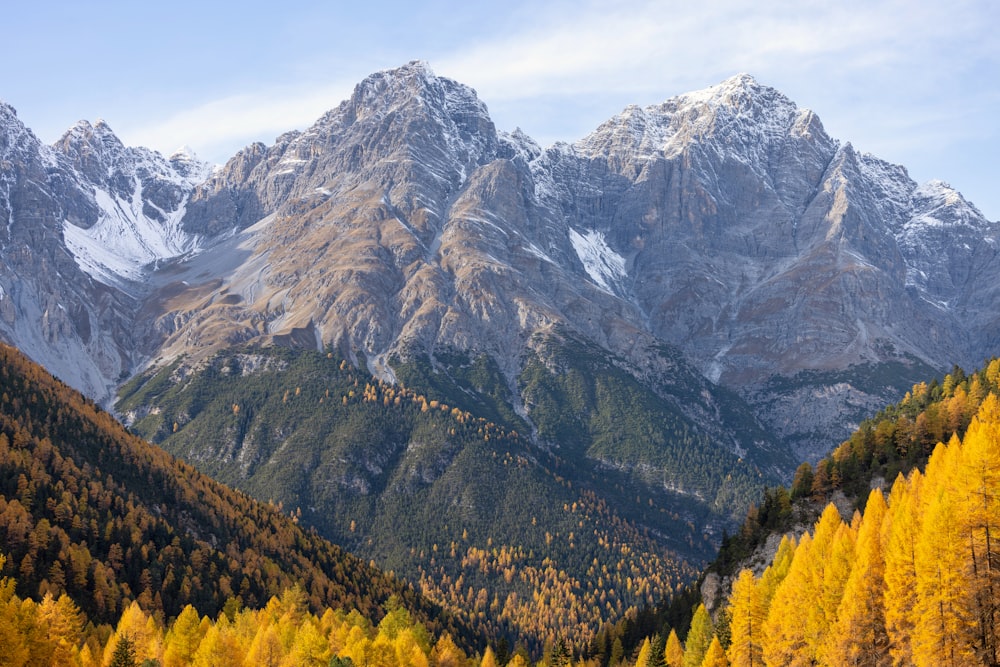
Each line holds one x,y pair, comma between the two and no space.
656,656
124,655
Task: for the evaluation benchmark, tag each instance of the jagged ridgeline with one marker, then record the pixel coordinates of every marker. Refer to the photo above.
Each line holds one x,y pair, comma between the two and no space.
528,538
89,510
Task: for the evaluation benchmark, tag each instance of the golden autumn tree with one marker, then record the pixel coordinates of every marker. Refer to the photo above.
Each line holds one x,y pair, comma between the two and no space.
266,650
776,572
62,623
746,622
827,569
673,652
143,631
784,640
699,637
945,623
900,537
715,656
182,639
309,648
489,658
218,648
837,571
859,636
979,481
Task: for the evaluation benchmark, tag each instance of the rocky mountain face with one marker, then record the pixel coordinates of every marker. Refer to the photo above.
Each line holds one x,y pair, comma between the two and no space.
78,222
814,280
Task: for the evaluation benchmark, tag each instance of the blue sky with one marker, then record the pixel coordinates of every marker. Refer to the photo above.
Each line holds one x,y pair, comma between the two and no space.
912,81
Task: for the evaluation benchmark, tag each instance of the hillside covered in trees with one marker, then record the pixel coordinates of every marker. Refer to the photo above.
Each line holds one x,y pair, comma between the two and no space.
524,542
283,632
93,512
845,564
914,579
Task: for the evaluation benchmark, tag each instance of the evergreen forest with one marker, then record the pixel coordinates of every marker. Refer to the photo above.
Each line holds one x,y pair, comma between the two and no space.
115,553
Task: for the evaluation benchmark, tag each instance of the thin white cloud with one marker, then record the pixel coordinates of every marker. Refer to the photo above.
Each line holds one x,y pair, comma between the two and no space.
220,125
651,44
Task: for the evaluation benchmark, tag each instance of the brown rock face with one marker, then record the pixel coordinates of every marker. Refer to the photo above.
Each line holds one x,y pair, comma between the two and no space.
815,281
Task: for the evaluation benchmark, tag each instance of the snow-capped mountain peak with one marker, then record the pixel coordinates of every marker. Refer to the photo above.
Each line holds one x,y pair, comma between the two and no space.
139,198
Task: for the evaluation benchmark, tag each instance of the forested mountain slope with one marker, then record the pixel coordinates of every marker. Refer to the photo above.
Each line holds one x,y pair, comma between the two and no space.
524,542
285,631
89,510
865,603
913,579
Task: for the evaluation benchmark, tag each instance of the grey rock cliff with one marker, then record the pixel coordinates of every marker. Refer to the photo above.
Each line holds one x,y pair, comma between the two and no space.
815,281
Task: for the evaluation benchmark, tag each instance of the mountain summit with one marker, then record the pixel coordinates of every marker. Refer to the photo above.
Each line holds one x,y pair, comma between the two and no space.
725,222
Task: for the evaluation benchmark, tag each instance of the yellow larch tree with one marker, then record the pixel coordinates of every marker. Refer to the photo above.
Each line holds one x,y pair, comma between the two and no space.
980,482
142,629
61,621
309,647
784,640
859,636
945,623
673,652
411,650
746,620
837,570
715,656
489,658
900,537
183,638
218,648
699,637
645,651
827,569
12,650
446,653
266,650
776,572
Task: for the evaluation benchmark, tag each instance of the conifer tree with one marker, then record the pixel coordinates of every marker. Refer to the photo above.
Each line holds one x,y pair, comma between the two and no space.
900,599
715,656
673,652
61,622
183,639
826,571
489,658
784,637
859,636
645,651
699,637
776,572
145,635
746,624
945,622
836,572
658,647
124,653
980,482
266,649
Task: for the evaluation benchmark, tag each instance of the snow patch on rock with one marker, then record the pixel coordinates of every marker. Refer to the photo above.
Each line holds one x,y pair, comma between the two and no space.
604,266
125,240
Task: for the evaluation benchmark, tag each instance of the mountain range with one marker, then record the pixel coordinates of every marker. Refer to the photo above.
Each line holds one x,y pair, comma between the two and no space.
725,223
668,313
